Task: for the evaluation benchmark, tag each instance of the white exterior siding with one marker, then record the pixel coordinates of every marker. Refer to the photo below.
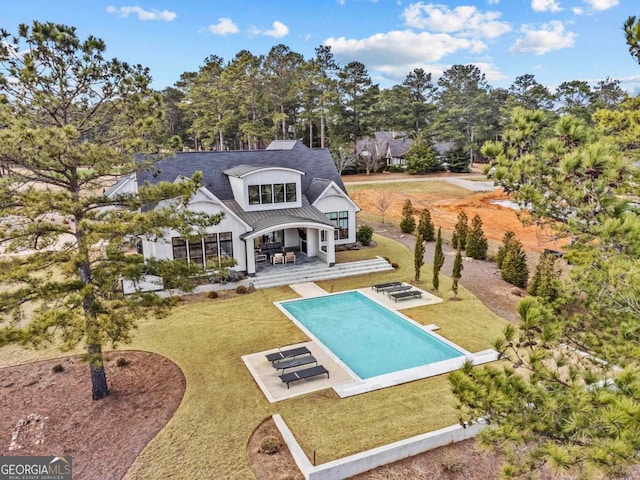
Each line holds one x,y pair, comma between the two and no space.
334,202
163,249
270,177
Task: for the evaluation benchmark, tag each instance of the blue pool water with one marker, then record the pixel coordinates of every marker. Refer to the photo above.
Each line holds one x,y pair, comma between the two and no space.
367,337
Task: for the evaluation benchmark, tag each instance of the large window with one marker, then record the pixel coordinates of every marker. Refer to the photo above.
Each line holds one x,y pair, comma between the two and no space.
272,193
206,252
254,194
340,220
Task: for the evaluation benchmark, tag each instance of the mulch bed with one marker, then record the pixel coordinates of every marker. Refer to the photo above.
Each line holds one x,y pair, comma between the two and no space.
49,413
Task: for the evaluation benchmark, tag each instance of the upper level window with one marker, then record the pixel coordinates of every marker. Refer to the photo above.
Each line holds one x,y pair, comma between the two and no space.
266,194
272,193
254,194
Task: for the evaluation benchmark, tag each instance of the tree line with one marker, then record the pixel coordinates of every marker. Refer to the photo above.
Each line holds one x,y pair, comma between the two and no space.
246,102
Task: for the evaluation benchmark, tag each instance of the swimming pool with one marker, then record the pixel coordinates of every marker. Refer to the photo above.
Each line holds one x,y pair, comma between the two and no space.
365,336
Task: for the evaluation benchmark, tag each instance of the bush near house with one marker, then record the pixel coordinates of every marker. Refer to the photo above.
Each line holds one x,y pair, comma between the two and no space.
364,234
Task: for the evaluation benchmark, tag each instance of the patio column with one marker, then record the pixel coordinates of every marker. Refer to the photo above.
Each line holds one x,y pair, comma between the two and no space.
331,249
251,257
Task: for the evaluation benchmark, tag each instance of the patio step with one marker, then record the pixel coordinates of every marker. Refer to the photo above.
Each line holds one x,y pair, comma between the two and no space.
318,271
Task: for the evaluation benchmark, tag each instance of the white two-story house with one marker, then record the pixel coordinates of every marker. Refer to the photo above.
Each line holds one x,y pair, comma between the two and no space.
286,197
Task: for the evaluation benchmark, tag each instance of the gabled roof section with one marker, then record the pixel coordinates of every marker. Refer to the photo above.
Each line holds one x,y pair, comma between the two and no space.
322,187
315,162
119,187
244,170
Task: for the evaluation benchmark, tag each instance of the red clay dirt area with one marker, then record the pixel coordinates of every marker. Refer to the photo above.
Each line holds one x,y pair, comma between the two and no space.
47,409
496,219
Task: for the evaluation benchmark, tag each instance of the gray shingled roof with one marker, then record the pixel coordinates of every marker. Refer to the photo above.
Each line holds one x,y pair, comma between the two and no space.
316,163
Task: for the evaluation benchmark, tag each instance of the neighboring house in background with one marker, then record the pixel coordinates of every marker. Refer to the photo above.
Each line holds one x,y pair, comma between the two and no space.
391,148
286,197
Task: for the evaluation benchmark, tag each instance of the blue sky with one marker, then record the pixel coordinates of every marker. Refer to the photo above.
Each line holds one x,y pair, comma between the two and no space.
555,40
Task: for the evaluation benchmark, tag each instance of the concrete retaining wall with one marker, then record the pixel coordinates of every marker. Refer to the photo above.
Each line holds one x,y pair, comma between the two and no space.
361,462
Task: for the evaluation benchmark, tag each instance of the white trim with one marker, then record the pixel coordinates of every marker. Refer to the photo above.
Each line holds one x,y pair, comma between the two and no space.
217,201
340,193
266,169
351,465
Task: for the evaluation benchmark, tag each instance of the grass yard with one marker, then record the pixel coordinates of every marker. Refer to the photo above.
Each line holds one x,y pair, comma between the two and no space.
222,405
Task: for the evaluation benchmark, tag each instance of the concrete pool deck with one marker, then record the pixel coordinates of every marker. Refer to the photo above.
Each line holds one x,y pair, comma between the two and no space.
343,381
268,381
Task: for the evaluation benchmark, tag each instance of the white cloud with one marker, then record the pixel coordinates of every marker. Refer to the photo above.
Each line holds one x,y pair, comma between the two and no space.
278,30
225,26
401,47
578,11
494,2
465,20
545,6
143,14
602,4
551,36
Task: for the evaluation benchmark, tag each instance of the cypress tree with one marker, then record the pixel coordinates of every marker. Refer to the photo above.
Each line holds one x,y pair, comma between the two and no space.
438,260
459,237
408,223
514,266
418,255
507,240
476,245
457,273
545,282
425,226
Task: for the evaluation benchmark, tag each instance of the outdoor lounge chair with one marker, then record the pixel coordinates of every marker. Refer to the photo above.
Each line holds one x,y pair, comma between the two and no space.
290,257
302,374
294,352
294,362
399,288
277,258
405,295
384,286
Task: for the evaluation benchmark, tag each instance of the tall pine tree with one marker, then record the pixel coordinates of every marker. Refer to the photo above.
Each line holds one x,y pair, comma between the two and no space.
70,123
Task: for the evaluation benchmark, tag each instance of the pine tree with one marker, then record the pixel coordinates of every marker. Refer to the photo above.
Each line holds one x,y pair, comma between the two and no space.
514,266
476,244
457,273
425,226
507,241
438,260
408,223
71,121
546,282
418,256
459,237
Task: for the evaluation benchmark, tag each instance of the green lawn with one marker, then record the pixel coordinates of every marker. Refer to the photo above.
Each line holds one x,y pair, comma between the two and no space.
222,404
436,189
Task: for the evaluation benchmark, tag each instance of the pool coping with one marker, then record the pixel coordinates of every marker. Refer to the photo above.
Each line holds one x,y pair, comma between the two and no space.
359,386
